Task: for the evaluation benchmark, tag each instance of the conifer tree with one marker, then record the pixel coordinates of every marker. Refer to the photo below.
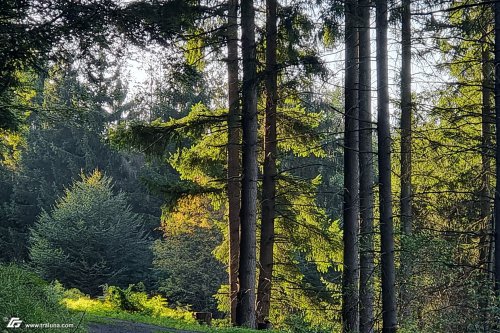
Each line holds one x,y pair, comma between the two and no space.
406,121
111,246
245,312
268,210
350,282
366,178
233,154
388,280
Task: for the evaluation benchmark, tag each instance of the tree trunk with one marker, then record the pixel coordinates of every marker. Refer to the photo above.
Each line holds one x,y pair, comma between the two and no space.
406,187
233,154
245,312
269,173
485,193
497,148
389,317
366,202
350,281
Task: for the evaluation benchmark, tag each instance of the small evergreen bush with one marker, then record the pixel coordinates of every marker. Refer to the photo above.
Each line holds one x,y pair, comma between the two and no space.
90,238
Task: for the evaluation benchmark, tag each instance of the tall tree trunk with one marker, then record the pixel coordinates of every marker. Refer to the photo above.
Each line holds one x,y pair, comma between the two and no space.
406,187
269,173
350,281
389,317
366,201
485,193
497,148
245,312
233,154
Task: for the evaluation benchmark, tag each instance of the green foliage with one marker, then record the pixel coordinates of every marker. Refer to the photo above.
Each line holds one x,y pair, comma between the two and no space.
186,270
65,138
111,246
309,241
120,298
26,296
450,288
152,310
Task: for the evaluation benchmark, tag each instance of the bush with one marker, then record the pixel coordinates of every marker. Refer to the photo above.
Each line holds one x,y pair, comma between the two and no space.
187,272
26,296
90,238
118,300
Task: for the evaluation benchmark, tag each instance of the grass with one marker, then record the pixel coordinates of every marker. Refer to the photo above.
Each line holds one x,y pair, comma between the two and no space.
148,310
26,296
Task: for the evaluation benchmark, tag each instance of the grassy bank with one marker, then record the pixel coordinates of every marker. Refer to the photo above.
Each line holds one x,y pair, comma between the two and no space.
26,296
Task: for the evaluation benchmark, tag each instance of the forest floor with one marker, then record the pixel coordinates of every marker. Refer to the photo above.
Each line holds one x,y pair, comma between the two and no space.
123,326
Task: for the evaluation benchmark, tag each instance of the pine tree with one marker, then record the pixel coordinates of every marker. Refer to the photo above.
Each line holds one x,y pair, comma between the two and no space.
268,210
406,124
233,154
350,282
389,318
497,148
245,312
111,246
366,178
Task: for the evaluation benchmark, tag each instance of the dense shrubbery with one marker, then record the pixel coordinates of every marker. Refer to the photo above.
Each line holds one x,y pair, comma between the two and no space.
186,270
26,296
131,299
91,238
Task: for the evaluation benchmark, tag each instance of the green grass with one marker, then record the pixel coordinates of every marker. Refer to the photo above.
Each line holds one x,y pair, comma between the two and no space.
152,311
164,322
26,296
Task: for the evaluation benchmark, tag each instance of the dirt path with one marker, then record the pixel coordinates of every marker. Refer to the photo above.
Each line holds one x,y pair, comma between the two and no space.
122,326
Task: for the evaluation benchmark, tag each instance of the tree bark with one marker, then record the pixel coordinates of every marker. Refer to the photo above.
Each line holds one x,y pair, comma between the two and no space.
233,154
269,172
497,148
366,183
406,134
485,193
389,316
245,312
350,281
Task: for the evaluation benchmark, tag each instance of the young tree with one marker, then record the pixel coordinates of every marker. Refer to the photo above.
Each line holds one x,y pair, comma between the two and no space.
350,282
245,312
384,164
110,246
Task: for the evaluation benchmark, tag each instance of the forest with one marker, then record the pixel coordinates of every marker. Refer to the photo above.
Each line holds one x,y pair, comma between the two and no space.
228,166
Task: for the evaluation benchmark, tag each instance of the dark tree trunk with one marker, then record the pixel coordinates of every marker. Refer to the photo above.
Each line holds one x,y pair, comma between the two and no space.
269,173
389,317
406,187
350,281
233,154
366,183
485,193
245,312
497,148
